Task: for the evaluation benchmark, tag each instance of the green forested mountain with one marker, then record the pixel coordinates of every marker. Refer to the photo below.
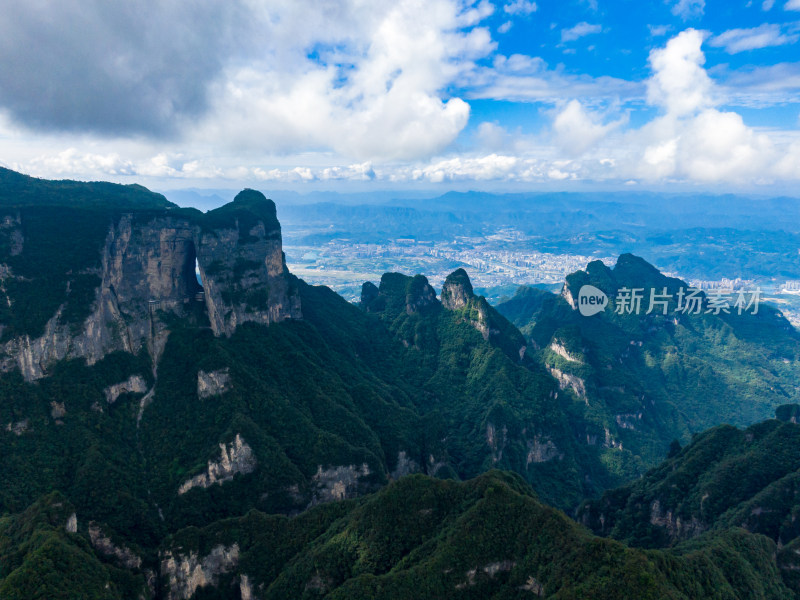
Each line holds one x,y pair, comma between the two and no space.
258,437
490,537
646,379
726,477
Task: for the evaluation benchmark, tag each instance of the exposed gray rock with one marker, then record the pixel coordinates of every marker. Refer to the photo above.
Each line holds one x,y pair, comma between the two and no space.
497,440
18,427
567,294
57,410
185,574
246,588
103,544
213,383
72,523
628,420
405,466
134,384
533,586
676,528
337,483
457,290
609,441
420,296
542,450
12,233
235,457
490,569
482,322
457,294
143,403
569,381
245,277
146,267
433,465
559,348
147,274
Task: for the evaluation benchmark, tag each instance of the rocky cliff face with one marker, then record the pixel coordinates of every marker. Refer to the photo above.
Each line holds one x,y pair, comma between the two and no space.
245,276
147,269
123,555
414,295
420,296
235,457
213,383
457,290
339,483
457,294
147,277
188,572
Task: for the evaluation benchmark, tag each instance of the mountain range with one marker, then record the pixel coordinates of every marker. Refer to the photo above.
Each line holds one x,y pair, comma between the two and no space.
246,435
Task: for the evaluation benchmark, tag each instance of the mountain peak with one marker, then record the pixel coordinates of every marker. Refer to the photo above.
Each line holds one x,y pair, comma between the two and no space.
457,290
250,196
630,271
399,293
420,295
635,269
248,207
369,293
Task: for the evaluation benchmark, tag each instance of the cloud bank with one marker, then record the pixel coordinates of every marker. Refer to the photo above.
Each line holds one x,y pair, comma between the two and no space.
346,90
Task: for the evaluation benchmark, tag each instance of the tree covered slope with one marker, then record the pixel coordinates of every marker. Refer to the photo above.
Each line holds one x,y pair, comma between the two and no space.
489,537
647,379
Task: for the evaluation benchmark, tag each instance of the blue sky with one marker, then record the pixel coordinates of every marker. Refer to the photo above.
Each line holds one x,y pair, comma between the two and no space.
349,94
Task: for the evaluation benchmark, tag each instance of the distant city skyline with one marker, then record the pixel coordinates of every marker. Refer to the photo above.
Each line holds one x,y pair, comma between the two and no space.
677,95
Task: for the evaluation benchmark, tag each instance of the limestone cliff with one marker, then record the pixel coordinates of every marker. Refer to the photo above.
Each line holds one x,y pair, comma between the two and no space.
187,572
400,293
134,384
146,273
213,383
235,457
420,296
457,290
146,270
242,266
123,555
339,483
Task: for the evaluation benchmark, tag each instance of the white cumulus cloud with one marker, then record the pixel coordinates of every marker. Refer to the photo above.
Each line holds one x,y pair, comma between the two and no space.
577,129
693,140
680,84
372,89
